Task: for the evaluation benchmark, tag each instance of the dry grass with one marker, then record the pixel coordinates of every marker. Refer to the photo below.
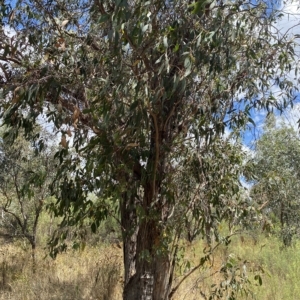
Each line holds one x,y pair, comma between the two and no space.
91,274
96,272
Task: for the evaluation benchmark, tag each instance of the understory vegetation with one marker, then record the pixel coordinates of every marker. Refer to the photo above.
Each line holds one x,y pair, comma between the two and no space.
96,272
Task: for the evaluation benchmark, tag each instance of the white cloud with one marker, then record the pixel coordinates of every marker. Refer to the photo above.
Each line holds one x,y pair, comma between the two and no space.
8,31
248,151
288,26
290,117
246,185
289,23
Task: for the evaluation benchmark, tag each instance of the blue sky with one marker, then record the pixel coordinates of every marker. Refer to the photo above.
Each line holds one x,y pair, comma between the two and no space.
290,24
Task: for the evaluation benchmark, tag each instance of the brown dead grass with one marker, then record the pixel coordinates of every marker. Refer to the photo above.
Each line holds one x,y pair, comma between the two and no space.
94,273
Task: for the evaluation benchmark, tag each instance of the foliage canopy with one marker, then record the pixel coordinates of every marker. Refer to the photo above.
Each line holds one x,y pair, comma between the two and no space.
275,176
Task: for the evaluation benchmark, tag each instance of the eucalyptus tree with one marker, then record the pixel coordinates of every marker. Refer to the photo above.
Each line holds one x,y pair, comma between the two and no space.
275,176
146,89
24,187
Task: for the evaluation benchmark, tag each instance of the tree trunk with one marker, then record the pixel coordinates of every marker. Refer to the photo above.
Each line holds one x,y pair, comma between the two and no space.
129,235
151,280
33,256
148,272
147,264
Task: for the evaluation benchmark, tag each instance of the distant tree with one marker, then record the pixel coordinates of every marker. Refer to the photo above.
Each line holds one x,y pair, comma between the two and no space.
276,176
146,89
25,176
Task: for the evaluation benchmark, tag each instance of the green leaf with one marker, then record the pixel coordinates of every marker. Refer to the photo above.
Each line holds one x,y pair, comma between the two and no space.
104,18
258,278
199,6
176,48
